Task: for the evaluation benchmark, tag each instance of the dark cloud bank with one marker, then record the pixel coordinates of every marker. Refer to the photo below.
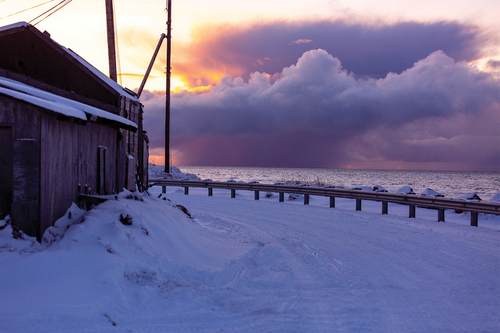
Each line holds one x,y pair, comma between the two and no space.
364,49
436,113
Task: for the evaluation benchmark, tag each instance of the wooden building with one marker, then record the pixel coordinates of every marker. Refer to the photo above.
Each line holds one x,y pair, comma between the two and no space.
64,126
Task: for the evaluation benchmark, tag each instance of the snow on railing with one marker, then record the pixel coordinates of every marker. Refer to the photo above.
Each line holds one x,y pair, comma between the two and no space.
411,200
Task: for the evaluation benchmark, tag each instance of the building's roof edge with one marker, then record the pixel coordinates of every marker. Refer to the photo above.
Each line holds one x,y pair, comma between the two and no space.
14,25
58,104
101,76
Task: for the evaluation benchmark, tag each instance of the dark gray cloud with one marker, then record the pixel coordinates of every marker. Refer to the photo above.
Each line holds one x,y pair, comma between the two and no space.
364,49
438,112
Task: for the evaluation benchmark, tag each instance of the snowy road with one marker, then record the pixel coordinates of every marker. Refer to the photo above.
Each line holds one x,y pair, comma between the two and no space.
251,266
317,269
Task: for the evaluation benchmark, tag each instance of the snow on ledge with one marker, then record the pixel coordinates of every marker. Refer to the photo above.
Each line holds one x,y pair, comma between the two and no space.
119,89
57,103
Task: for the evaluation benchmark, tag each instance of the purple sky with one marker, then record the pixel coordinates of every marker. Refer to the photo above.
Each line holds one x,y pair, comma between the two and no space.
338,95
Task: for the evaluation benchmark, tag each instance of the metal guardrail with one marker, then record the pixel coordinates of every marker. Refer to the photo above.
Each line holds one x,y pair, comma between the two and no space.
411,200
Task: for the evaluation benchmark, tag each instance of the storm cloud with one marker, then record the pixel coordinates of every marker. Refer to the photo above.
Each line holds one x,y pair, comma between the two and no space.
366,49
437,113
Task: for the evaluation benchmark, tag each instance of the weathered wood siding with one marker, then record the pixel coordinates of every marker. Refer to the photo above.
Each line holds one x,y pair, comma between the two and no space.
6,169
75,154
51,155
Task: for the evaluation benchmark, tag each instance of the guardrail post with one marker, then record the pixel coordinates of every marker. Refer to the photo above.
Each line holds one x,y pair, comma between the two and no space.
440,214
256,195
306,199
163,189
473,219
210,192
186,190
233,193
412,211
332,202
282,197
385,207
358,204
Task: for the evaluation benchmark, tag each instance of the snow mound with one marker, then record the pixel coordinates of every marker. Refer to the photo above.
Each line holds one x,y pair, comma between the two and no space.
379,188
428,192
14,240
405,190
469,197
495,198
361,188
158,172
147,230
73,215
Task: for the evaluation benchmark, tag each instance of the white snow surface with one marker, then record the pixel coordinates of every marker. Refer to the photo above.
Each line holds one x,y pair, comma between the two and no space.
495,198
428,192
240,265
46,104
119,89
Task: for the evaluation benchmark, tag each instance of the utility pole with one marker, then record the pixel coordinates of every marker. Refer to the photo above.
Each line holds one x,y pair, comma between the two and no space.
110,24
167,97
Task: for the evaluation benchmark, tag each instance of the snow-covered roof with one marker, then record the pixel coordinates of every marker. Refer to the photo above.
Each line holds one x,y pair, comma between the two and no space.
119,89
115,86
57,103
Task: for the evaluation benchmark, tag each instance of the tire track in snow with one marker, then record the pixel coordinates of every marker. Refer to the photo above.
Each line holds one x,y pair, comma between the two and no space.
397,274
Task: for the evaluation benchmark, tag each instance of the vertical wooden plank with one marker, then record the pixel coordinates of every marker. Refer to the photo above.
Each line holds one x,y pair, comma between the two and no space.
101,164
26,195
6,170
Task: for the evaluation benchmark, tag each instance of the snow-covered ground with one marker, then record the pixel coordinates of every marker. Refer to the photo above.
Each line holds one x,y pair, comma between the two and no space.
141,264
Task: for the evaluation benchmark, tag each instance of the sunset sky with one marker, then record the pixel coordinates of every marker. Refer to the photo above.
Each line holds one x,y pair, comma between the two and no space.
392,84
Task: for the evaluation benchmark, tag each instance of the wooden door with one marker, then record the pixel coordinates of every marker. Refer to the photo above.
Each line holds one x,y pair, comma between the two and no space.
6,170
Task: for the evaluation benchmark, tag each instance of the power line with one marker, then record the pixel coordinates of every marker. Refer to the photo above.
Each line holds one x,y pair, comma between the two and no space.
54,10
25,10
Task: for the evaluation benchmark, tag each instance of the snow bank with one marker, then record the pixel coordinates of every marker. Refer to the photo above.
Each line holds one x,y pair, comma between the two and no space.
158,172
428,192
178,263
495,198
88,272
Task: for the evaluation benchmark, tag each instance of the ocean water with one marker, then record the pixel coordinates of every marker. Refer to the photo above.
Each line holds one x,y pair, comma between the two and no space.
450,183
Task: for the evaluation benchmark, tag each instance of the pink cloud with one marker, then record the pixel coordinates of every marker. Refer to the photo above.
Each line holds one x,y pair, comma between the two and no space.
300,41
